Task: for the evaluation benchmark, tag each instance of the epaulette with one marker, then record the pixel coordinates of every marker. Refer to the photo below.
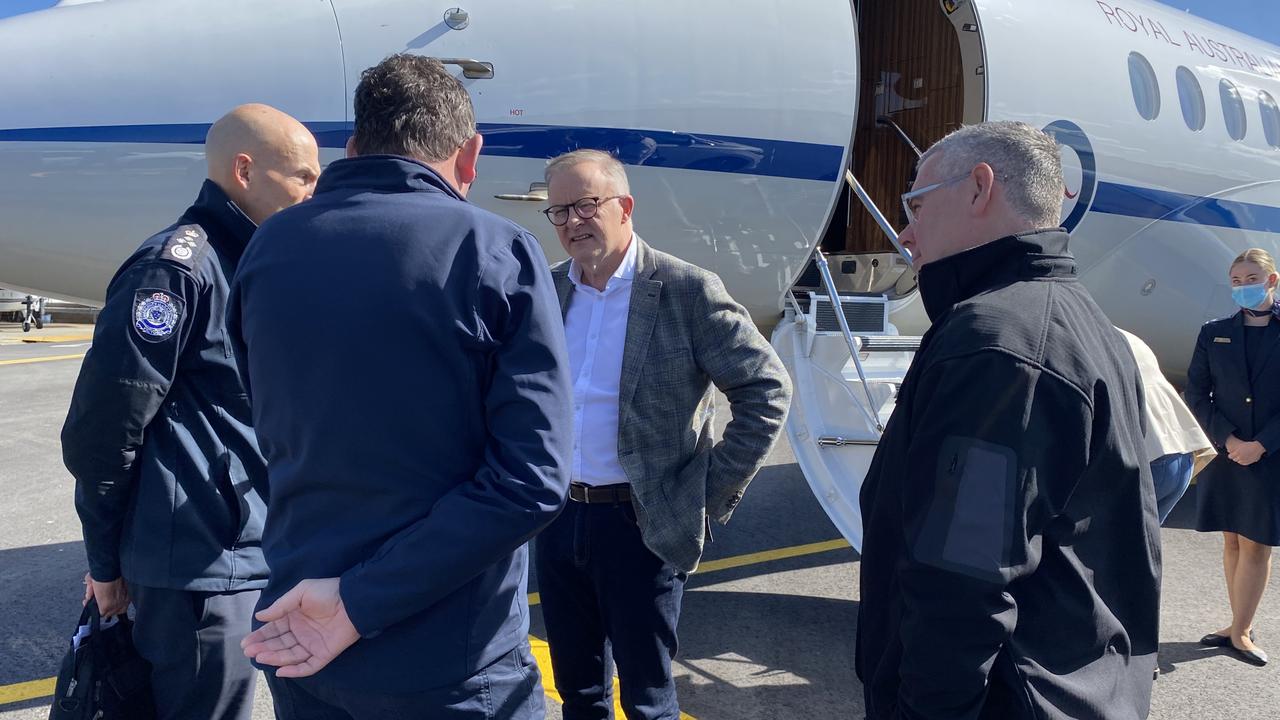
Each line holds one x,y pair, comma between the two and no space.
185,245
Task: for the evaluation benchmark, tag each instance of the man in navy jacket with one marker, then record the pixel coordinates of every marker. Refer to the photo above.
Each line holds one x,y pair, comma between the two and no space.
416,439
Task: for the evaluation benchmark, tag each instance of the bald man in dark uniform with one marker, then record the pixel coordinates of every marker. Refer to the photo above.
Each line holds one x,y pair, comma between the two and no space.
169,477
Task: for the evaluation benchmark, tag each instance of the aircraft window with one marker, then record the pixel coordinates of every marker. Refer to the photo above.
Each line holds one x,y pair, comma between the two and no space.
1146,90
1192,99
1270,119
1233,110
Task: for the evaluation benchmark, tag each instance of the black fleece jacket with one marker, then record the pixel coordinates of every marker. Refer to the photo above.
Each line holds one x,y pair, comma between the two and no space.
1011,559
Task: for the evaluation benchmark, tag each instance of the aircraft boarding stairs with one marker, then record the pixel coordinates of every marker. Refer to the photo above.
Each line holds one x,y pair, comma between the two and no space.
846,368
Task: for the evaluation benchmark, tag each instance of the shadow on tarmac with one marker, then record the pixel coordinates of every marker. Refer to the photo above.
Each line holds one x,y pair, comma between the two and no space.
1173,654
41,588
747,665
41,703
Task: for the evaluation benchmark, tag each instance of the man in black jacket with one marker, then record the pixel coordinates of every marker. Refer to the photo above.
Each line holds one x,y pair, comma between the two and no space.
1011,562
167,468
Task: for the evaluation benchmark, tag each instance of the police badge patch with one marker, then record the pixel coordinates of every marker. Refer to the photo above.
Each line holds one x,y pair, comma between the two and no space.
156,314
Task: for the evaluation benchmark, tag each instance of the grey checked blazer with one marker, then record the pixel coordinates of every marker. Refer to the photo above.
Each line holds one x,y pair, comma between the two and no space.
685,334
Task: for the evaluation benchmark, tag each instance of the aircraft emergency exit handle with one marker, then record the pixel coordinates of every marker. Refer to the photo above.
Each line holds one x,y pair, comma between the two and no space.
472,69
537,193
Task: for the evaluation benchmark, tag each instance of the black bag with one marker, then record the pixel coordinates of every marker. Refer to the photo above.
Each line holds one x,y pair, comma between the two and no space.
105,678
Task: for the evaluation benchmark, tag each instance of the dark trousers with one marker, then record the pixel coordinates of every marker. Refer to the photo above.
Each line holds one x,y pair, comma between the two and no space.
192,640
599,582
508,689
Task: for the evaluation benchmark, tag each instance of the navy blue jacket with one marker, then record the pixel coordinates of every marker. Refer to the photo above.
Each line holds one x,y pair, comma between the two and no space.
1230,398
405,356
158,435
1230,395
1011,556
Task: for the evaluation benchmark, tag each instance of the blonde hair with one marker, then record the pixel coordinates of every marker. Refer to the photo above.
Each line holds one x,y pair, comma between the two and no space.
1258,257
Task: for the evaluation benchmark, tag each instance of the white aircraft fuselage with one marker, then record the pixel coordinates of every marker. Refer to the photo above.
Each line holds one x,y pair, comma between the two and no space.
736,120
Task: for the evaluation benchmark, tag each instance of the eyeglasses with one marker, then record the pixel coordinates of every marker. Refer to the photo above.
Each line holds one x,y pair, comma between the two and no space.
919,192
585,208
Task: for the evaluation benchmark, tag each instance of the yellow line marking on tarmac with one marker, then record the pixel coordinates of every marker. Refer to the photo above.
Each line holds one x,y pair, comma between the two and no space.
36,689
58,338
542,654
771,555
50,358
26,690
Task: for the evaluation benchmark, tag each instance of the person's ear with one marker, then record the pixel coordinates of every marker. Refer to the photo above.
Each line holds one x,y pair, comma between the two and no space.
628,204
241,169
981,183
351,147
468,157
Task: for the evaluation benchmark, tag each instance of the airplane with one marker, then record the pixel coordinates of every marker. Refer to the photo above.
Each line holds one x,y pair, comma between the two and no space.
12,302
754,134
29,310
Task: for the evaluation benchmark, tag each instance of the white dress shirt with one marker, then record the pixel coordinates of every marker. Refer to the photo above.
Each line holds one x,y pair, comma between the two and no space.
596,330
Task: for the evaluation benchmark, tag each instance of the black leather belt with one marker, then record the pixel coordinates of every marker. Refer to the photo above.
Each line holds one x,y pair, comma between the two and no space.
611,494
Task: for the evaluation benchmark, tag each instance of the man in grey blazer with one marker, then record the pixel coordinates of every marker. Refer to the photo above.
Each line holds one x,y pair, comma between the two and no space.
649,336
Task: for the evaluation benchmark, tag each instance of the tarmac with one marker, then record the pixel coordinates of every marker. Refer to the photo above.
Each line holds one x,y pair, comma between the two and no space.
768,625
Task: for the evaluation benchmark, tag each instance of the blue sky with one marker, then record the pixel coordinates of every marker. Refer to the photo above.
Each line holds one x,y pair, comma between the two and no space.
17,7
1260,18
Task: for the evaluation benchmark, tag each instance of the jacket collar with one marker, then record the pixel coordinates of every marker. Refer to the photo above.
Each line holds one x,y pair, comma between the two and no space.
1270,340
1026,256
645,267
1238,318
383,173
644,270
225,222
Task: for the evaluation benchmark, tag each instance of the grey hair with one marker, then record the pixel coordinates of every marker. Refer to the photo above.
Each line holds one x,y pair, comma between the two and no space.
612,168
1025,160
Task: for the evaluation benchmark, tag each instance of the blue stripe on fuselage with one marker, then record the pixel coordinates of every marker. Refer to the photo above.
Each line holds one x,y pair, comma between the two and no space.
651,148
328,134
691,151
1140,202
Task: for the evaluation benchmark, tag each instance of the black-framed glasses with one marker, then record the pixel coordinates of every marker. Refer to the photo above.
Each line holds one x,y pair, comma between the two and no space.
586,208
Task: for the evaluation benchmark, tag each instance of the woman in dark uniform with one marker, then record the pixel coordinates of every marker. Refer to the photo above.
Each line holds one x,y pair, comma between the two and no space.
1233,387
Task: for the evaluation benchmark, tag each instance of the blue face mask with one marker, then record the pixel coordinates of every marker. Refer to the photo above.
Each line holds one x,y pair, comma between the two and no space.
1249,296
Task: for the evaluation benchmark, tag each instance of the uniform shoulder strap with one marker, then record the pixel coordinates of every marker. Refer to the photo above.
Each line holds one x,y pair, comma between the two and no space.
186,245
